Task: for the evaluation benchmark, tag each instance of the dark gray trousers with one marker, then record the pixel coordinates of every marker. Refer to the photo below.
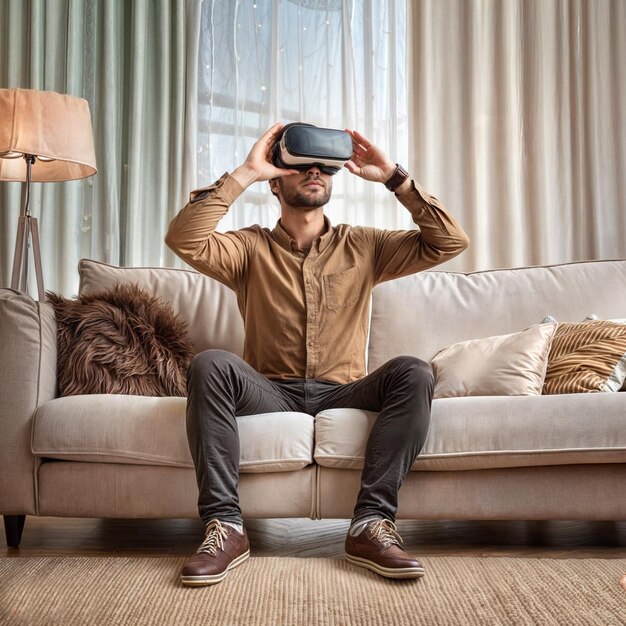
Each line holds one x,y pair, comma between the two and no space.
221,386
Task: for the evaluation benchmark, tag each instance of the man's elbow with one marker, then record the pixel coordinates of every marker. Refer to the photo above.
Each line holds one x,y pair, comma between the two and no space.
463,242
458,244
170,240
175,244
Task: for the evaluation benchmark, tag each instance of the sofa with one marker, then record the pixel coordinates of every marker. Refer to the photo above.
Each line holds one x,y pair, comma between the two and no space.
496,457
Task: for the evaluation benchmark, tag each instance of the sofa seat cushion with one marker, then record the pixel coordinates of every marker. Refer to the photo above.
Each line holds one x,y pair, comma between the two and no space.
151,431
483,432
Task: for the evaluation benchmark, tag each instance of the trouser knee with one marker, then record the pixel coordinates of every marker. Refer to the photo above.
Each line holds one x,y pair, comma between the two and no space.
414,371
209,364
412,387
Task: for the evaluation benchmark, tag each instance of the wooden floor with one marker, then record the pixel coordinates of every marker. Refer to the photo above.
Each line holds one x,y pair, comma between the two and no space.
303,537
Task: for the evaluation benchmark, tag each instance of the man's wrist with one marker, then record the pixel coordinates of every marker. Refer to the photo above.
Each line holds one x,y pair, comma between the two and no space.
397,179
244,175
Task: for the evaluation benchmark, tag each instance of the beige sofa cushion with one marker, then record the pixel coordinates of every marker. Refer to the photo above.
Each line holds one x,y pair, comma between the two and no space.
505,365
484,432
420,314
208,307
151,431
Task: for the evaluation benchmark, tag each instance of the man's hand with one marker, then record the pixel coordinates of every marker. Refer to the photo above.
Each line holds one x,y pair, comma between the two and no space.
258,165
368,161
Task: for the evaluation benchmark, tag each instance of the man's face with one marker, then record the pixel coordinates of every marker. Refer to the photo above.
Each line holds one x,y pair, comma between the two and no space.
310,189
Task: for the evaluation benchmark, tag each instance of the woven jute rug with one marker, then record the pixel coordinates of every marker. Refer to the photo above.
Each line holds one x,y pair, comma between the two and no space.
122,590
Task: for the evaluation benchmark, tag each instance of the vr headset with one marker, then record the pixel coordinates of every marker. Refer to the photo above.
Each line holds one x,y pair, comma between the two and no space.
302,145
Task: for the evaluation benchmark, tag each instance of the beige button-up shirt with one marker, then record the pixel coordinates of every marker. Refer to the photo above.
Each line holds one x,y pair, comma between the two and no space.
306,314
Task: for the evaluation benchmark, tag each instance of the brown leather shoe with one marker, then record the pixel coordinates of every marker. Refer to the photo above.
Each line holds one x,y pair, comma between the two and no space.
377,547
222,549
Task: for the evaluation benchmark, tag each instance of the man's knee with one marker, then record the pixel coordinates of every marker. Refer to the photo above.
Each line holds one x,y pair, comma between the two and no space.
414,369
416,382
208,363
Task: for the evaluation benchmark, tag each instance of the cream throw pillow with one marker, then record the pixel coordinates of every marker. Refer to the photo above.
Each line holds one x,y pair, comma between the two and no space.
505,365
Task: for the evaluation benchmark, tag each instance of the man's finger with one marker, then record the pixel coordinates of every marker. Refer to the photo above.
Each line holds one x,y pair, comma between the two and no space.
351,167
282,172
359,150
362,140
272,132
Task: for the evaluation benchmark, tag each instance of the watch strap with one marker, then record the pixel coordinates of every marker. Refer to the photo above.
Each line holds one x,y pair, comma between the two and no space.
397,178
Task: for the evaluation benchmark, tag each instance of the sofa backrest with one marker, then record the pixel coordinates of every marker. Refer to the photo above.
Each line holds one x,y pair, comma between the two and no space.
420,314
208,307
416,315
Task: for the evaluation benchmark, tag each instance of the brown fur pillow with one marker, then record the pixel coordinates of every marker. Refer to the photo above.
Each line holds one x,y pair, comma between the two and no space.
123,341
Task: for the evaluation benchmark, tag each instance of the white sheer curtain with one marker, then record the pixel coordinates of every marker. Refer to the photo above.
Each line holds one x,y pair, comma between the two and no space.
333,63
518,120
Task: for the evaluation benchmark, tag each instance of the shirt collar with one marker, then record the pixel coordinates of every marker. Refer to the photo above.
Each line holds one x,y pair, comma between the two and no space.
280,235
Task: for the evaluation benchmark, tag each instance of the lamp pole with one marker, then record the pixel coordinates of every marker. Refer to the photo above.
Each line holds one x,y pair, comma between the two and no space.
27,228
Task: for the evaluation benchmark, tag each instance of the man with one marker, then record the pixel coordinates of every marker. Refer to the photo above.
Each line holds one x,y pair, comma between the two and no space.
303,290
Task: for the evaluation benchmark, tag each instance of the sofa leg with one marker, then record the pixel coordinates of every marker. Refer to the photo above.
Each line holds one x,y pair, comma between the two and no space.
13,527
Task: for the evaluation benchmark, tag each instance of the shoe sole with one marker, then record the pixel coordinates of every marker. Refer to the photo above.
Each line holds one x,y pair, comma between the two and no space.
212,579
387,572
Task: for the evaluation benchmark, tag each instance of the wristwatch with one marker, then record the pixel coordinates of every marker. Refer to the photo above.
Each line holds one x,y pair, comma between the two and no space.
397,178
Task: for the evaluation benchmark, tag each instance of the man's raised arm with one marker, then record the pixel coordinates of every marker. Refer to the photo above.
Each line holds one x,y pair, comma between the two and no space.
191,234
399,253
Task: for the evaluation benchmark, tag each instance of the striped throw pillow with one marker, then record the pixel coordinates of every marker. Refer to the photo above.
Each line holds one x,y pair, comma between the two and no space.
585,357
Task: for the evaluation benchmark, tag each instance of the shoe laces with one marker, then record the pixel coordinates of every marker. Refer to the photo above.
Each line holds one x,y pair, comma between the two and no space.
214,539
385,532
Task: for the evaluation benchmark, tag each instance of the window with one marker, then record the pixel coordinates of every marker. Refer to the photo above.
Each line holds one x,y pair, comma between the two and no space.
331,63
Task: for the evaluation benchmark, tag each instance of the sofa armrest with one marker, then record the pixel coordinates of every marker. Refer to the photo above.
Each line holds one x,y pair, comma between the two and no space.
28,368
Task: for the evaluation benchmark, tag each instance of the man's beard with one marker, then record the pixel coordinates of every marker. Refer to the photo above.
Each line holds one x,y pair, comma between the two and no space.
296,198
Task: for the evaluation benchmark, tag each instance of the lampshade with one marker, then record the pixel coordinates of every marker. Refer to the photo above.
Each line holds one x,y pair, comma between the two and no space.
54,127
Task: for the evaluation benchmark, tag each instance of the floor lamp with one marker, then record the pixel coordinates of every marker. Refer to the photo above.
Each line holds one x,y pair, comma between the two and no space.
44,137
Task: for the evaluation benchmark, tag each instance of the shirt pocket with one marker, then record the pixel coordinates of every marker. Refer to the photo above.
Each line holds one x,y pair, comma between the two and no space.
341,289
